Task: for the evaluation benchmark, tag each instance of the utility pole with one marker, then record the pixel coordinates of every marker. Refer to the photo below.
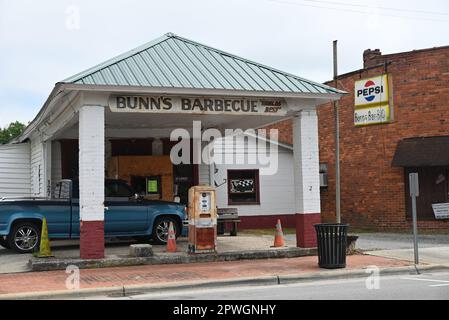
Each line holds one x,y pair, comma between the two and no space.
337,141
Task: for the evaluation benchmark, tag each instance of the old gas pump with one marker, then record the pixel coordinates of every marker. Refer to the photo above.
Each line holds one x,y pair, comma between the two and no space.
202,220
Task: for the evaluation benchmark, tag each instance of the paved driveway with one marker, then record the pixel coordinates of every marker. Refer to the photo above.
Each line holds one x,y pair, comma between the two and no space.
388,241
433,255
431,248
12,262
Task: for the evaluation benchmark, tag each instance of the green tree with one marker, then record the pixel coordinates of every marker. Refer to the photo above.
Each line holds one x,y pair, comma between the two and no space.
14,129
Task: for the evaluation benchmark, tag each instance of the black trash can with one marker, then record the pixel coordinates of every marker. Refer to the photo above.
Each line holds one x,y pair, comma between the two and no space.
332,240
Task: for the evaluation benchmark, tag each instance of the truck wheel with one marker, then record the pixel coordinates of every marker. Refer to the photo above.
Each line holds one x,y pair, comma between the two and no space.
160,229
25,237
4,243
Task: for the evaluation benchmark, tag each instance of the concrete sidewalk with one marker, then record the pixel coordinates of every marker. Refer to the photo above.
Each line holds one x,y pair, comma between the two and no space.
433,255
51,284
11,262
370,241
395,241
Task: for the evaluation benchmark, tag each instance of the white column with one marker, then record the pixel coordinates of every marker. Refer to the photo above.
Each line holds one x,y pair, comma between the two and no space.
307,165
91,181
306,176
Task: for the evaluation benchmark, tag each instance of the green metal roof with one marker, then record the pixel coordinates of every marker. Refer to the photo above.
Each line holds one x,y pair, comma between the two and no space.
173,61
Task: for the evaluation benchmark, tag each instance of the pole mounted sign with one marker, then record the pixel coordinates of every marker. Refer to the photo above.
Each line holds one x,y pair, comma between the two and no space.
198,105
371,91
414,192
371,101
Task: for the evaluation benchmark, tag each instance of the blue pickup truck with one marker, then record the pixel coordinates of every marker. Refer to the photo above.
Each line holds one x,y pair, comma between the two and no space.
126,215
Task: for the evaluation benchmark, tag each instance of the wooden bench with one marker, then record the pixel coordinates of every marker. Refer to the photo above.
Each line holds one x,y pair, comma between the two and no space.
227,216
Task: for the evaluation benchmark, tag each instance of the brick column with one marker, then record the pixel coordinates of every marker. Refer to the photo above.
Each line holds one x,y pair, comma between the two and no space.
91,181
306,177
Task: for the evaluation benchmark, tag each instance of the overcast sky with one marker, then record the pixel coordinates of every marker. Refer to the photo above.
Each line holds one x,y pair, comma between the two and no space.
46,41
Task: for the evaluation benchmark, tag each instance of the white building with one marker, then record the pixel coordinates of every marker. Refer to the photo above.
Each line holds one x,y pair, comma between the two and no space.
104,121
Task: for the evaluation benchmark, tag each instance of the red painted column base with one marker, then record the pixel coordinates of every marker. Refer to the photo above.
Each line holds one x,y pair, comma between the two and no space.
305,231
92,239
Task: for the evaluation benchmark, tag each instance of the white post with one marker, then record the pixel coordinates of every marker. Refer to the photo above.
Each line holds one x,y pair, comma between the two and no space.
47,168
306,176
91,181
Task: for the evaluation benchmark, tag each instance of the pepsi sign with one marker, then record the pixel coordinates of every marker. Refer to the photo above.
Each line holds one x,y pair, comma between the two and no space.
371,91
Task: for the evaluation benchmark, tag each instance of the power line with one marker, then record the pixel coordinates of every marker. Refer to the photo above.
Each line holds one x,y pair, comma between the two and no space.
378,7
355,11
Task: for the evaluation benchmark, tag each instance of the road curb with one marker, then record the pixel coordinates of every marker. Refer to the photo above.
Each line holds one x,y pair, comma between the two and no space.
127,290
52,264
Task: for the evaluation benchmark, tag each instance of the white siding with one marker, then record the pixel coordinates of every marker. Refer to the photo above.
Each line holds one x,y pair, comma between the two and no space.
276,190
37,168
204,174
15,170
204,169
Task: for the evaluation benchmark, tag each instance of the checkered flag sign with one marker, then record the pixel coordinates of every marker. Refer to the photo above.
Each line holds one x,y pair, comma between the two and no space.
242,185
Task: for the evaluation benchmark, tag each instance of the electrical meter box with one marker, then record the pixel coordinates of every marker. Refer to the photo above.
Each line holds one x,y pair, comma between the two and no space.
202,220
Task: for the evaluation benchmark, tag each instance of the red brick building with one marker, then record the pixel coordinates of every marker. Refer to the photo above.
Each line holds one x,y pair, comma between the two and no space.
374,188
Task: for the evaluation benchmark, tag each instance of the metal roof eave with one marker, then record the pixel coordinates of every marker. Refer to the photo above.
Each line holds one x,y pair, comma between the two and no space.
61,87
199,91
57,90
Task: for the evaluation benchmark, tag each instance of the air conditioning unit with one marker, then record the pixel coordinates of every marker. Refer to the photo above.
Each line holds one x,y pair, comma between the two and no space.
323,180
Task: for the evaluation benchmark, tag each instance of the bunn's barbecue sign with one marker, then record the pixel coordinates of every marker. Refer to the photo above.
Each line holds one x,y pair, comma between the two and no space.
200,105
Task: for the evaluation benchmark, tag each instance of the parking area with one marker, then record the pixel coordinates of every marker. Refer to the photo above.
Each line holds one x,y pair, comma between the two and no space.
12,262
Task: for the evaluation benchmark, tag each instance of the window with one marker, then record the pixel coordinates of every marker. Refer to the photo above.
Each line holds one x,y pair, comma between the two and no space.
323,175
62,190
433,188
112,189
132,147
117,189
243,187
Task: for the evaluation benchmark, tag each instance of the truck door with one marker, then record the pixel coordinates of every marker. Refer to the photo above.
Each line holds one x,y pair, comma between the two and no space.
57,210
124,216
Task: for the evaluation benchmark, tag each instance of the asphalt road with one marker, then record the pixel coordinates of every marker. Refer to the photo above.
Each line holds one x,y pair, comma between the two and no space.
430,286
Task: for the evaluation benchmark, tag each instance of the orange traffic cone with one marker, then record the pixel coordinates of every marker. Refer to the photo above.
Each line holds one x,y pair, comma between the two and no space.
279,237
171,242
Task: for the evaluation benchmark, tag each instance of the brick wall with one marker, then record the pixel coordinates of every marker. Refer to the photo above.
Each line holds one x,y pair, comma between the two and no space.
372,190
